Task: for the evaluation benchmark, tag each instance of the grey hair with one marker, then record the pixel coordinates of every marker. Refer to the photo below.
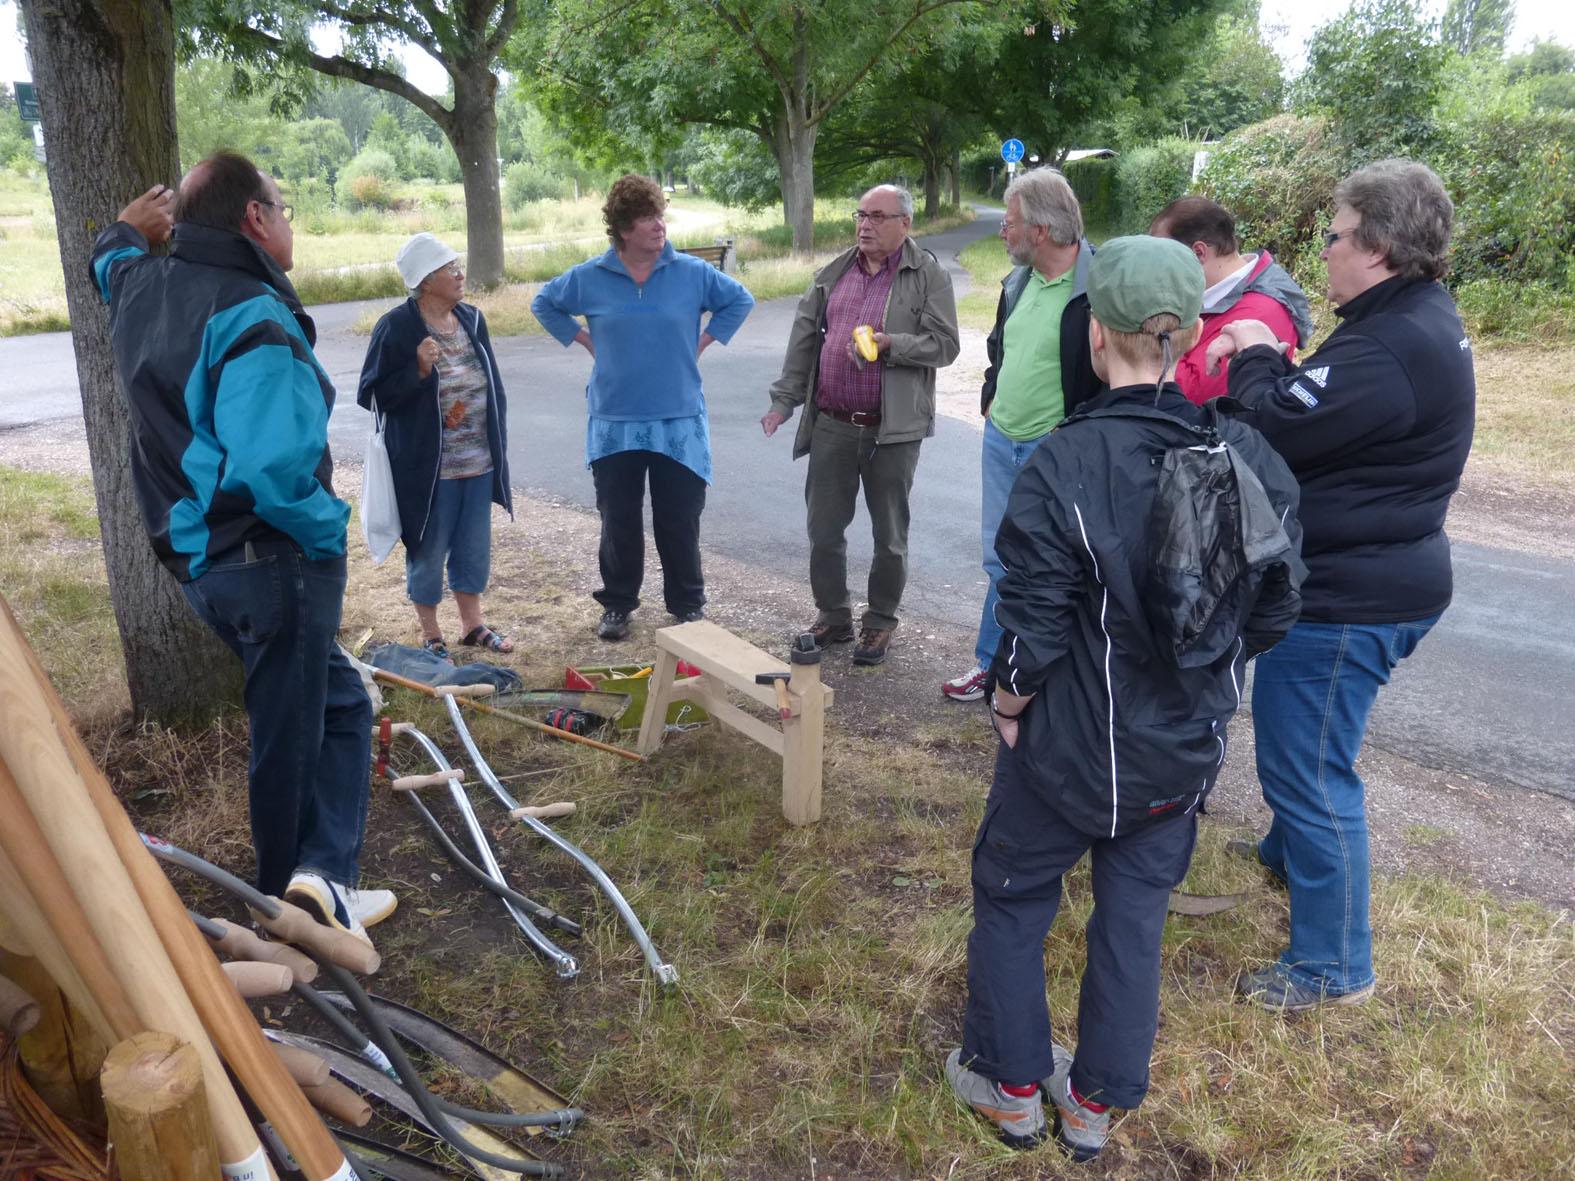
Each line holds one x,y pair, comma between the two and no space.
904,198
1046,199
1405,215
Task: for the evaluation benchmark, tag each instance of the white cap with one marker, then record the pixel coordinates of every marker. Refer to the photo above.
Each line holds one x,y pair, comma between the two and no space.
420,256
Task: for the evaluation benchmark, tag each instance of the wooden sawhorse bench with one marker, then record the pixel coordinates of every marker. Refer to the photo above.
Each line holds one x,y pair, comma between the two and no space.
727,662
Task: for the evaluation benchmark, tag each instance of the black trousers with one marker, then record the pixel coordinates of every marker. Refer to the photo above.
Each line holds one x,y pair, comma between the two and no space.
1022,851
677,500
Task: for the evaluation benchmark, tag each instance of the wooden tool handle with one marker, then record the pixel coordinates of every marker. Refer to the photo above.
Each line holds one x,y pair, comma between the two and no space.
784,705
242,943
335,1099
436,779
393,728
545,811
254,979
294,925
305,1067
18,1011
463,690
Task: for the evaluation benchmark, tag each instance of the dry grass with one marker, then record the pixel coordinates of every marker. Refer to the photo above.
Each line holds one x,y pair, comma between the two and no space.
823,969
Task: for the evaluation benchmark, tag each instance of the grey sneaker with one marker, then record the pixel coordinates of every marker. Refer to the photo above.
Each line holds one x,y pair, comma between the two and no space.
1272,988
1019,1120
614,625
341,907
1081,1131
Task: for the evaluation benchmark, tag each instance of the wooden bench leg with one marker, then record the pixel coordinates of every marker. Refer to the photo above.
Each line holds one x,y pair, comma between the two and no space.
657,700
803,742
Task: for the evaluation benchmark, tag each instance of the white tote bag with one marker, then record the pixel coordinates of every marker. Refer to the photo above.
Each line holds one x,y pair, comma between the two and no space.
379,508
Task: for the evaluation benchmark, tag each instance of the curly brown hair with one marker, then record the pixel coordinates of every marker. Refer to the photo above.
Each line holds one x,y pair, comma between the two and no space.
631,198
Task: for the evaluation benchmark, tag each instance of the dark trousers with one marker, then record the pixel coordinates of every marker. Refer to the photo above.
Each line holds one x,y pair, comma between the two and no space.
311,720
677,500
1022,851
841,458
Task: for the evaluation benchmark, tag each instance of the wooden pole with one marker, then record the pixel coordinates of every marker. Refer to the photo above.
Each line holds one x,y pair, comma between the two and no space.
200,982
159,1128
61,1055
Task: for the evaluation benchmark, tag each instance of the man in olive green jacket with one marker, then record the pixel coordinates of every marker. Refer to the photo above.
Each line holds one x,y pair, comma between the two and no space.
864,420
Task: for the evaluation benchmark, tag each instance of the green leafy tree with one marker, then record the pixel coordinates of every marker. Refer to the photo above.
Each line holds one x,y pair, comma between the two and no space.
1547,72
1377,73
313,148
1478,26
466,39
210,114
633,73
1236,80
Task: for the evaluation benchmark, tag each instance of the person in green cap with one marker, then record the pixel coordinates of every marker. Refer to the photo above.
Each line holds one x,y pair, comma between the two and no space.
1124,646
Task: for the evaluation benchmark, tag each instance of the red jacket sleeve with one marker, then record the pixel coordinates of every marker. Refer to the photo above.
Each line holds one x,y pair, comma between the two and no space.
1199,385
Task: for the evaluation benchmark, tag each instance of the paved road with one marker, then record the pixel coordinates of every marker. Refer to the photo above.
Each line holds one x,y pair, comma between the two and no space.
1486,694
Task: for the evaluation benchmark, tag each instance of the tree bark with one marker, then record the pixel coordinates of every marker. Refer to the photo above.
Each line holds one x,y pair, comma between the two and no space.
106,90
793,144
474,134
956,168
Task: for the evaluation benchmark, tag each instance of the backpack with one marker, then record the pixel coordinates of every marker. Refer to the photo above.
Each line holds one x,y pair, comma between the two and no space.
1213,538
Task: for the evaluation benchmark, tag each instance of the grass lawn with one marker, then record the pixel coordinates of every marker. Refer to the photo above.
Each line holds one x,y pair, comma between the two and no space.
822,969
349,256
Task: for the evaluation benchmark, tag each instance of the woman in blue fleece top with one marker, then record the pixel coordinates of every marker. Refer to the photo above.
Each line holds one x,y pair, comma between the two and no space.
642,302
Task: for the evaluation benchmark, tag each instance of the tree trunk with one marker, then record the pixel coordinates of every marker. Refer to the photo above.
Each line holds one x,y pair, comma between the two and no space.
474,134
793,145
106,90
957,179
932,187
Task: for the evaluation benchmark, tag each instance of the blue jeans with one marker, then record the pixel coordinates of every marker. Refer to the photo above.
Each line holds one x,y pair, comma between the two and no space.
1022,851
311,720
999,462
1311,696
458,532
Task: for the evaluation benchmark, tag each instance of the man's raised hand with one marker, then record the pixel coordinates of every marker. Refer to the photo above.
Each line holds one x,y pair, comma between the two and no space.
152,214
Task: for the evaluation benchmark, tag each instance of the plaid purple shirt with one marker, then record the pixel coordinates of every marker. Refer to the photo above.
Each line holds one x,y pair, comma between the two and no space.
858,298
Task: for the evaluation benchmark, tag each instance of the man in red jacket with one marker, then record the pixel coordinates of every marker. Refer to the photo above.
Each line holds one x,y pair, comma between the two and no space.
1237,286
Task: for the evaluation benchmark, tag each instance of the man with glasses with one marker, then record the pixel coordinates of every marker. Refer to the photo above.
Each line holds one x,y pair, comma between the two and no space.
229,409
864,419
1039,370
1376,426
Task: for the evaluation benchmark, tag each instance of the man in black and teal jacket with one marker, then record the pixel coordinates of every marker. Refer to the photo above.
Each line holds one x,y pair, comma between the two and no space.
229,411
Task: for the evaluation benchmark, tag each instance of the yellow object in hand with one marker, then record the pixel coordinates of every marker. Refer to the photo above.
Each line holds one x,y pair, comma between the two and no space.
864,341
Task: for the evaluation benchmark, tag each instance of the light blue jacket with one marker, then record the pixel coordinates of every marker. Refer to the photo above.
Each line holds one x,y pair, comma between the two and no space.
645,334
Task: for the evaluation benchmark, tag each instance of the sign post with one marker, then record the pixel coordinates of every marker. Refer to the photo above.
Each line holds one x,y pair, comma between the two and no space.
1012,152
26,101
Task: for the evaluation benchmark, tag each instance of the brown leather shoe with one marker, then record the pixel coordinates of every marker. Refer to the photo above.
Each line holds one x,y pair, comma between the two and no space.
831,633
872,645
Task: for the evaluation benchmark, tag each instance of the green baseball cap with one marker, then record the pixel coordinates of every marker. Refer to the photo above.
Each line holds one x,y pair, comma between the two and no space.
1134,278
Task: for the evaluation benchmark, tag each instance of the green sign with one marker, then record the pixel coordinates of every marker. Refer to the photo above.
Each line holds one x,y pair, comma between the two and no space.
26,100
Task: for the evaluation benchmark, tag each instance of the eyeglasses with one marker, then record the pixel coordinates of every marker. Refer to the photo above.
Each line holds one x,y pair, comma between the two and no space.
453,269
285,211
1330,237
877,218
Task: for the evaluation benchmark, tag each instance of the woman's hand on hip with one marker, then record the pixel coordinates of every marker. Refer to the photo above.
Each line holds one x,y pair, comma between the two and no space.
426,357
583,337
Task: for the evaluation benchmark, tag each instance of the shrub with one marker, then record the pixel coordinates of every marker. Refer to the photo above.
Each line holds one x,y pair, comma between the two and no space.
1276,178
1094,182
371,191
524,182
372,162
1148,179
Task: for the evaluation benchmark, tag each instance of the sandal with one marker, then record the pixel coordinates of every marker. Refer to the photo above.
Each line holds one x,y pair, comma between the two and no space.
438,648
485,637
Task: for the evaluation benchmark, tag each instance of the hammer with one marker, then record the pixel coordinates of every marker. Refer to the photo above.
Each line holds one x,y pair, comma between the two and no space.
780,680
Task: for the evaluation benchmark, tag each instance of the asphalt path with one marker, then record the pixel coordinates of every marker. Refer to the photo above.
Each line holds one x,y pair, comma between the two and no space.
1486,694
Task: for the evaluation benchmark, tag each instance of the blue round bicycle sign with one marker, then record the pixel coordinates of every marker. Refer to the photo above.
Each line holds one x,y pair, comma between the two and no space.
1012,151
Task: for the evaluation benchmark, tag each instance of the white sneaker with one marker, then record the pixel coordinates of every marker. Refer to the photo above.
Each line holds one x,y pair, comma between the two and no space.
341,907
968,687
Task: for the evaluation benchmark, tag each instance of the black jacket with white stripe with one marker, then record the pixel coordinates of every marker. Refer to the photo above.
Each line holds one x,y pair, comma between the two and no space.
1117,734
1376,425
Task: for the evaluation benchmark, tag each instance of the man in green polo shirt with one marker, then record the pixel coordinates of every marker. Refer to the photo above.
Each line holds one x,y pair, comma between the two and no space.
1040,368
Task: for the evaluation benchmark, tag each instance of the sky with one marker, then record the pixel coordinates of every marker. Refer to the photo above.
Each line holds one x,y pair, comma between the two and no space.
1292,22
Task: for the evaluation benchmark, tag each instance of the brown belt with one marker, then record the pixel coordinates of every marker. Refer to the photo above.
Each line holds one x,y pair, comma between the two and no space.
856,417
